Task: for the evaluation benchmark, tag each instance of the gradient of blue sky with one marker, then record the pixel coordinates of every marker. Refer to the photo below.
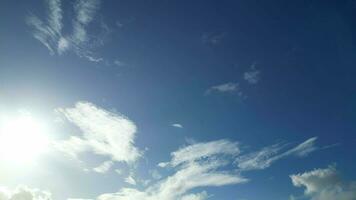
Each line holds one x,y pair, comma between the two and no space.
177,70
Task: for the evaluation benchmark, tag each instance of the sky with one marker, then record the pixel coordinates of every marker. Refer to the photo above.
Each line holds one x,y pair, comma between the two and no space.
177,100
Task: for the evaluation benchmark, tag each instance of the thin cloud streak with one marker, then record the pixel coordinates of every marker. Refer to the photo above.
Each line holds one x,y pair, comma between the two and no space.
265,157
49,31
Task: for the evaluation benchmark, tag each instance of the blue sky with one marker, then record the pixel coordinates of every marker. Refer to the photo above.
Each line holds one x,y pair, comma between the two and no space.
228,100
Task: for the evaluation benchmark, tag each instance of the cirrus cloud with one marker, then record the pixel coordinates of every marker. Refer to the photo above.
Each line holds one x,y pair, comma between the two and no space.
102,133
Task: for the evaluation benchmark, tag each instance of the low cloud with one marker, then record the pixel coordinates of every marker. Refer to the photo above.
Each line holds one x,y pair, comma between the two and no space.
324,184
24,193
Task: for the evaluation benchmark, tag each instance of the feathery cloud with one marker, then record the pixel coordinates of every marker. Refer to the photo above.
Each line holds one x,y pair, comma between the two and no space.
229,87
103,133
268,155
201,169
50,30
200,151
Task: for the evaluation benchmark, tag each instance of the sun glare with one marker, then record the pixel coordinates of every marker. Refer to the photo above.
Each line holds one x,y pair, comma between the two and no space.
22,138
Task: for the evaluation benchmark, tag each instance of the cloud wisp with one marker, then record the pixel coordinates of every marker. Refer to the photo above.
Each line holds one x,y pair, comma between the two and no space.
199,165
102,133
252,76
177,125
230,87
49,31
213,39
324,184
195,167
268,155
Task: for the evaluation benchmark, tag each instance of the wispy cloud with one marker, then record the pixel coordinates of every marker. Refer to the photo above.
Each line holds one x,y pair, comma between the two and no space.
325,184
176,125
104,167
201,169
229,87
49,31
102,133
199,165
213,38
131,179
119,63
268,155
200,151
252,76
198,196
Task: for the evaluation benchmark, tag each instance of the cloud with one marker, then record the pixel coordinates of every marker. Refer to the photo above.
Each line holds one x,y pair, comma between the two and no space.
200,151
177,125
155,174
24,193
50,31
229,87
131,179
202,169
104,167
198,196
325,184
85,11
204,164
213,38
268,155
119,63
102,133
253,75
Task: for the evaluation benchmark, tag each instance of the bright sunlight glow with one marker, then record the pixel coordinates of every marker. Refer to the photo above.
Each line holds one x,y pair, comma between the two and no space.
22,138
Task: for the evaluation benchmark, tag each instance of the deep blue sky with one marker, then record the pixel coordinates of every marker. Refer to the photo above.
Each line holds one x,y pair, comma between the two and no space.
303,50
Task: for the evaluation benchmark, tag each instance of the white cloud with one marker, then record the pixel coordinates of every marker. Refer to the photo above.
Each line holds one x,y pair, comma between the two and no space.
104,167
325,184
198,196
63,45
253,75
24,193
177,125
224,88
131,179
202,169
155,174
103,133
85,11
49,31
119,63
199,151
266,156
